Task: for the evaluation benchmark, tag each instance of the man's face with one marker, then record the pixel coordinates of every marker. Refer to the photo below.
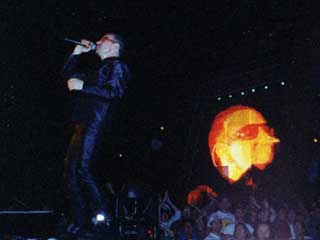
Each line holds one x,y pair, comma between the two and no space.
215,226
240,232
263,231
239,139
263,215
106,44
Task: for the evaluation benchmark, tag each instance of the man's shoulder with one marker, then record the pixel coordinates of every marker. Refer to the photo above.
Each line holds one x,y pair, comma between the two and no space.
115,64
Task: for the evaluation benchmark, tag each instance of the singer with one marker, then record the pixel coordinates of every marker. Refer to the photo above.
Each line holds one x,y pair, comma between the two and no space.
96,89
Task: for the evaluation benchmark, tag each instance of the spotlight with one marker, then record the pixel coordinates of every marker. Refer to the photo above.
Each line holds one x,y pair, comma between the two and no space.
100,217
162,128
219,98
242,93
266,87
282,83
315,140
230,95
253,90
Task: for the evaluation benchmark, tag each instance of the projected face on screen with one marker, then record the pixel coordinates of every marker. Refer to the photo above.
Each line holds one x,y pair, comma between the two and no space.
239,138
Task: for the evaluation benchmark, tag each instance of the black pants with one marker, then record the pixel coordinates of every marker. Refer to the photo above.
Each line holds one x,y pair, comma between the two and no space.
83,190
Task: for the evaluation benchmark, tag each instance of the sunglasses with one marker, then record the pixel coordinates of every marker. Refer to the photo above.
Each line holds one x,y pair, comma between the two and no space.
106,38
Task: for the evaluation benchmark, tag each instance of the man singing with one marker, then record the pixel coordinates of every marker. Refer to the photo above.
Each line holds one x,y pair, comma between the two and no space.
96,89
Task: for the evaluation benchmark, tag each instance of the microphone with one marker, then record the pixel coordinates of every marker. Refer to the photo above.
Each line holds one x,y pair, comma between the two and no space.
92,46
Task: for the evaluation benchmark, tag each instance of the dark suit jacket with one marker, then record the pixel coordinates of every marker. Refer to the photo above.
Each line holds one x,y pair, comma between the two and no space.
105,83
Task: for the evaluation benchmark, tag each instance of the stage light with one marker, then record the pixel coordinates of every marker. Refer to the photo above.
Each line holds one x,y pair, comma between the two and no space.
162,128
266,87
120,155
100,217
282,83
242,93
219,98
230,95
253,90
315,140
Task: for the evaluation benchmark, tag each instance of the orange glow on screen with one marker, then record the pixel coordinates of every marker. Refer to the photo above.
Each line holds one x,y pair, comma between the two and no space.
239,138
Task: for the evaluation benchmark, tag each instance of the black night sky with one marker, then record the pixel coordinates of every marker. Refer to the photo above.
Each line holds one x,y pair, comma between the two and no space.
183,56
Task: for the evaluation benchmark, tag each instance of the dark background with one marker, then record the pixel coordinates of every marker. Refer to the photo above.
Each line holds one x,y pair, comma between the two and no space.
182,57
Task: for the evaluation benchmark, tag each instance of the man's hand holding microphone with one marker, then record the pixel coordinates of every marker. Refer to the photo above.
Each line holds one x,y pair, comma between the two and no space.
83,47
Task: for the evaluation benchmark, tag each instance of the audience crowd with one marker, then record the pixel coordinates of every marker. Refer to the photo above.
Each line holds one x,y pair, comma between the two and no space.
225,218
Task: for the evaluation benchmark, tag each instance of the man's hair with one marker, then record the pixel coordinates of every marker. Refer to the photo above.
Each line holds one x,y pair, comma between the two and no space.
119,39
